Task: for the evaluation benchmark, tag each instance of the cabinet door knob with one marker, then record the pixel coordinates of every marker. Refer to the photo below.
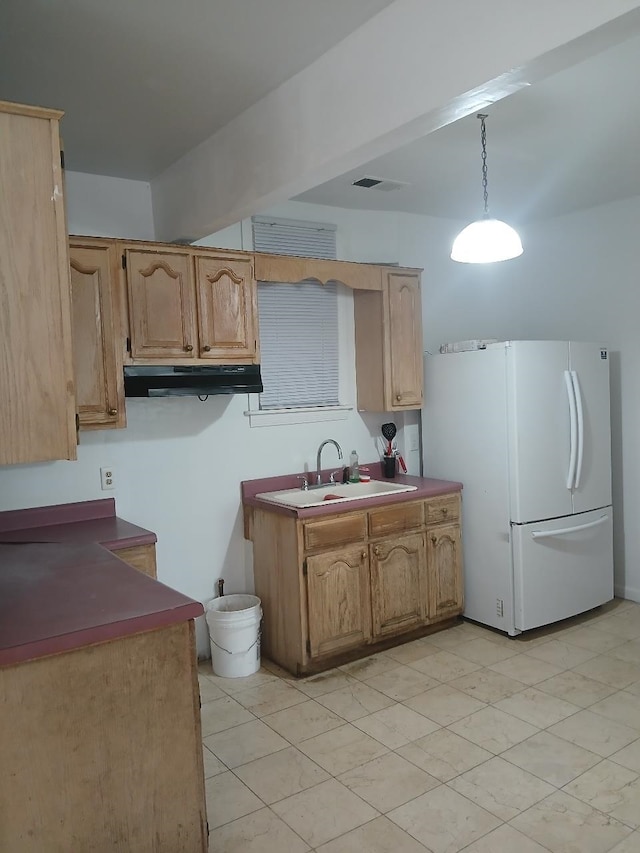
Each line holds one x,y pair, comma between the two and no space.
112,412
188,348
434,540
376,551
444,510
364,555
206,348
398,397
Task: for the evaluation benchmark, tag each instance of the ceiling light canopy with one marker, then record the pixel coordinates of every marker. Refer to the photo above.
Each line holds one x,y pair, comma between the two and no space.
486,240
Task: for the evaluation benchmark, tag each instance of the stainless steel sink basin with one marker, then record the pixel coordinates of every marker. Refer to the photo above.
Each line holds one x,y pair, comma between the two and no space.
334,493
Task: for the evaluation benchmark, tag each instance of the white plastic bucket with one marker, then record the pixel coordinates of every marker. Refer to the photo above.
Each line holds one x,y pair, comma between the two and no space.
234,631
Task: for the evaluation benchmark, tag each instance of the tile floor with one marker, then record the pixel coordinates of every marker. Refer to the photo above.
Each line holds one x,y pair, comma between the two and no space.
464,740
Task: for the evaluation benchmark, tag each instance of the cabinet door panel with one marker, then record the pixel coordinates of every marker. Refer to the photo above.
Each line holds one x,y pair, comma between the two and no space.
404,375
226,308
338,600
98,379
444,555
398,587
161,305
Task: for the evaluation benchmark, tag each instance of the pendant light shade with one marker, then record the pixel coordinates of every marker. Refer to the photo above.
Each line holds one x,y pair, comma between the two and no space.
486,240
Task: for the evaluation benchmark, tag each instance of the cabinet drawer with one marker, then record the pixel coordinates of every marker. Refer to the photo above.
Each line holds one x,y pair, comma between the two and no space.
395,519
334,531
141,557
445,508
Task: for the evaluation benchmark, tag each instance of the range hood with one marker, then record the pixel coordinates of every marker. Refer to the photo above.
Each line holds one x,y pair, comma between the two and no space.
191,380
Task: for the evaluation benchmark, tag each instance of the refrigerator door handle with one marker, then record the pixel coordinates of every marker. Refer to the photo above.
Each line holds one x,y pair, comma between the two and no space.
578,395
573,449
546,534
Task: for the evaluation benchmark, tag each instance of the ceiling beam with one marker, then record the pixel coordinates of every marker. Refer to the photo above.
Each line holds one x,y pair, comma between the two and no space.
411,69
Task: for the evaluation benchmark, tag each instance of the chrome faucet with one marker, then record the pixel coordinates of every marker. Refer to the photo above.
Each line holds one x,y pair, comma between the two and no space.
318,458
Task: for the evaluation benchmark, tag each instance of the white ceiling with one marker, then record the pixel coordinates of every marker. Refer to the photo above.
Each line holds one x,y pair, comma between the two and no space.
144,81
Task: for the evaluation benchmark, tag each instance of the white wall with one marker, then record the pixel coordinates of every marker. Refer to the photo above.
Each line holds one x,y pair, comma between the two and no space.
99,206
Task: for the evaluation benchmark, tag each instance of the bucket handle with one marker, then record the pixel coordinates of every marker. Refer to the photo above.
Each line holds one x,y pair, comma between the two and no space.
222,648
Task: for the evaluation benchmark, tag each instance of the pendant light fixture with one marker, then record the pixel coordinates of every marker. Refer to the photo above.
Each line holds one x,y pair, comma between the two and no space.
486,240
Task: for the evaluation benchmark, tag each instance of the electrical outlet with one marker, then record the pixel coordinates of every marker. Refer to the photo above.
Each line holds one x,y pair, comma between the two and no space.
107,478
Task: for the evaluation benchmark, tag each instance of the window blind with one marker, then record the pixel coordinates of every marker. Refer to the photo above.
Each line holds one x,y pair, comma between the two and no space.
299,344
298,322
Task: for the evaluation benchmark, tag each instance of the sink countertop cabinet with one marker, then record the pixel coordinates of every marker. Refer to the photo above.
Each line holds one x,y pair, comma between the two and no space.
338,585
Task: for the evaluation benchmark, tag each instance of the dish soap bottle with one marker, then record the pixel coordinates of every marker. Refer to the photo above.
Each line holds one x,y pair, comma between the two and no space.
354,468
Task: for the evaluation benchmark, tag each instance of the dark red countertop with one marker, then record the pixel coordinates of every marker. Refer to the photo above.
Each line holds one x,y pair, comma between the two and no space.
63,588
426,487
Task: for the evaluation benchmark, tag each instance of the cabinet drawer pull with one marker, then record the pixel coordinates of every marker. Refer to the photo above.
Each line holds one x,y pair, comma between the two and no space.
188,348
206,348
112,412
444,510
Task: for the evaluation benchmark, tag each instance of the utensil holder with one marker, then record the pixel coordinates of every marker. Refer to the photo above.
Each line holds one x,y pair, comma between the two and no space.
389,466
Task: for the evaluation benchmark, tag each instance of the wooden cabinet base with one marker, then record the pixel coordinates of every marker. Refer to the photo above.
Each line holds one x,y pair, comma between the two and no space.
101,749
316,665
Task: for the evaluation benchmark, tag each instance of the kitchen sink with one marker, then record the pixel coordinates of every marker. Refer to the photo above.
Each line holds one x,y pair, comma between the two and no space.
334,493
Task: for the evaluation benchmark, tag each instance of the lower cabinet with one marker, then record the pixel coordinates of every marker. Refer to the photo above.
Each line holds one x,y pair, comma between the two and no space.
339,585
140,557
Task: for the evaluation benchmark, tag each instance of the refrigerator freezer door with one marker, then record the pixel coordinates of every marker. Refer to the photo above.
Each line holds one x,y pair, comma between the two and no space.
589,365
539,412
562,567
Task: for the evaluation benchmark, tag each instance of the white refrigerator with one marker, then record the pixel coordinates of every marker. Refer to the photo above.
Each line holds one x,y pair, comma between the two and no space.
525,427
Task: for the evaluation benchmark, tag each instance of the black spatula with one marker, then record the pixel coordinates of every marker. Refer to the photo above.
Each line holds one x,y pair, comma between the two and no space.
389,432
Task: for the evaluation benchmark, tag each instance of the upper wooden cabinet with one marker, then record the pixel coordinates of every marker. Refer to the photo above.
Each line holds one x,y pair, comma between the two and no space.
96,334
191,306
37,417
389,369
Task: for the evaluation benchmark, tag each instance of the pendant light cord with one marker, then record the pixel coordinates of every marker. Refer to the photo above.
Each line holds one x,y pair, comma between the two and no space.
483,140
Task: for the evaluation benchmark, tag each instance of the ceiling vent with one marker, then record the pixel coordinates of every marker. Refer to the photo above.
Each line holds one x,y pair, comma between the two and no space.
370,183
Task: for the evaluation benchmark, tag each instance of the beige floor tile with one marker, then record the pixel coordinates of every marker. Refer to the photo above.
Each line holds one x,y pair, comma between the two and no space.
377,836
611,789
445,704
269,697
634,688
325,682
325,812
281,774
260,832
501,788
342,749
235,685
355,701
222,714
551,758
566,825
443,820
485,652
212,764
402,683
396,726
524,668
388,782
595,733
538,708
228,799
492,729
625,624
631,844
444,754
244,743
560,654
452,637
208,690
303,721
576,688
445,666
368,667
487,685
629,757
505,839
611,671
410,652
622,707
592,639
629,650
